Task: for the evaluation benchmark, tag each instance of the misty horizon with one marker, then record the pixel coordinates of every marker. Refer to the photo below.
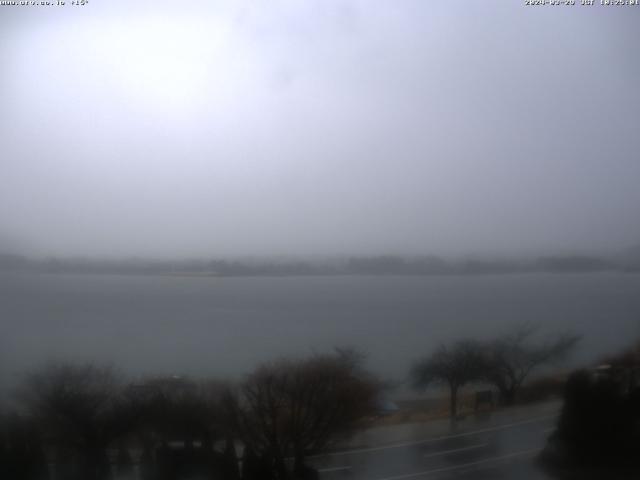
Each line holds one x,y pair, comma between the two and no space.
11,247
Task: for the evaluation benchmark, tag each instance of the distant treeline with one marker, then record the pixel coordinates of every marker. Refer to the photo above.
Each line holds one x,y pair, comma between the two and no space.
357,265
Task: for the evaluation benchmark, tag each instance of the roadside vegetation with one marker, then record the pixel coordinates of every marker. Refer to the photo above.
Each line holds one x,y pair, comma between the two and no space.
90,422
598,433
87,422
504,363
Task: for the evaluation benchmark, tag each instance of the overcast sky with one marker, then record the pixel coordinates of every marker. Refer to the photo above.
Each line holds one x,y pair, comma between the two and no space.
318,127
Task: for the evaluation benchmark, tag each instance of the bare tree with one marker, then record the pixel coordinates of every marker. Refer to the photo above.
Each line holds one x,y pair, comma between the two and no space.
81,408
181,409
293,408
453,365
511,359
178,409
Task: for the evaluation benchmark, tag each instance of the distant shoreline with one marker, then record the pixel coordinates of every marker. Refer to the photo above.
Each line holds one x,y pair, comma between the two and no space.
369,266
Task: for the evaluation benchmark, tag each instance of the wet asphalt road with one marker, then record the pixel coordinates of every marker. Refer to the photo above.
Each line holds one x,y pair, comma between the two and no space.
499,448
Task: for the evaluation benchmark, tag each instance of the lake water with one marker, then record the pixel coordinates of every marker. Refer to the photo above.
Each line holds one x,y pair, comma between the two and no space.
225,326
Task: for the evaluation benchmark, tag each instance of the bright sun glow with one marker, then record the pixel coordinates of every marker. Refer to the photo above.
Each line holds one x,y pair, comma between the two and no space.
170,62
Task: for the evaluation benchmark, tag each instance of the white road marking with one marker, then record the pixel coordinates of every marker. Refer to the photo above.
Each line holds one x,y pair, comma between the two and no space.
436,439
463,465
454,450
334,469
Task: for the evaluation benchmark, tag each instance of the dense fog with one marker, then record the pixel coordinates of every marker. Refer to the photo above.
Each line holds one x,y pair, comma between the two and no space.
158,129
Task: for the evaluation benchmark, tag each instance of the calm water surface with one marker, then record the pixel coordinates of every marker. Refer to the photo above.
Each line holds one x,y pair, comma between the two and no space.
224,326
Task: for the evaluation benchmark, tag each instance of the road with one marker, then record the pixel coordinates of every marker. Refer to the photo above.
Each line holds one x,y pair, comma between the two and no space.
502,446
